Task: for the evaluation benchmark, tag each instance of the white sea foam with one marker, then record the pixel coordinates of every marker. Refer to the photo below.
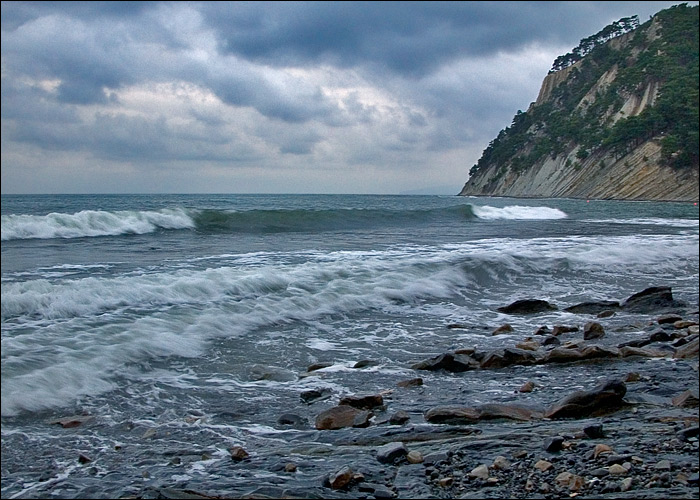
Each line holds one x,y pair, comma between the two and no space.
651,221
89,223
65,339
517,212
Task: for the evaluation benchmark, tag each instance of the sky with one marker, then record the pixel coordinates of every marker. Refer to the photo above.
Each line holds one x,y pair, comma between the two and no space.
272,97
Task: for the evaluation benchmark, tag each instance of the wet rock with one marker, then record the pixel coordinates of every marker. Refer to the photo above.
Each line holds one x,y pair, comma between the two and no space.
688,350
448,361
454,326
594,431
84,459
506,328
543,465
668,319
293,419
364,363
260,372
507,357
391,452
593,307
73,421
364,402
318,366
480,472
342,416
527,306
414,382
687,399
238,453
650,300
605,314
340,479
452,415
688,433
551,341
528,345
399,418
560,329
606,396
314,395
593,330
543,330
553,445
528,386
493,411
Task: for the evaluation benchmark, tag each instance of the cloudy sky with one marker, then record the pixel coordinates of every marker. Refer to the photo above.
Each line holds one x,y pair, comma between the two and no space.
272,97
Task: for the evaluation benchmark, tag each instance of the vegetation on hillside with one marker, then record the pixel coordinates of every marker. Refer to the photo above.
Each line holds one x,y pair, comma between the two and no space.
565,121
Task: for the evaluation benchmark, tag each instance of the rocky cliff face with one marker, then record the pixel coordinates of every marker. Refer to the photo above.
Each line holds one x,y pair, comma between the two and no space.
607,126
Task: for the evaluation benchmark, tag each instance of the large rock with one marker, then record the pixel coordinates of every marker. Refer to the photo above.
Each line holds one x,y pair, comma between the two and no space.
452,415
688,350
450,362
593,330
391,452
527,306
342,416
365,402
606,396
491,411
593,307
507,357
651,299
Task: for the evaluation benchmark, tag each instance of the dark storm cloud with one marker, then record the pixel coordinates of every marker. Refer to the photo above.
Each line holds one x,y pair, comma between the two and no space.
409,38
391,85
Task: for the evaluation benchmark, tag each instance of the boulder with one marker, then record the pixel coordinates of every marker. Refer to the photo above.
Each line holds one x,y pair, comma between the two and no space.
390,453
593,330
651,299
450,362
507,357
527,306
492,411
365,402
688,350
342,416
452,415
593,307
606,396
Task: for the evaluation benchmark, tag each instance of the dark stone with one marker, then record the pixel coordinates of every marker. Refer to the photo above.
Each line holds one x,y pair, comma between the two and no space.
606,396
507,357
363,363
594,431
651,299
551,340
293,420
559,329
543,330
449,362
690,432
593,307
689,350
554,444
527,306
452,326
390,453
660,336
414,382
365,402
452,415
687,399
593,330
74,421
84,459
238,453
314,395
318,366
492,411
342,416
399,418
340,479
668,319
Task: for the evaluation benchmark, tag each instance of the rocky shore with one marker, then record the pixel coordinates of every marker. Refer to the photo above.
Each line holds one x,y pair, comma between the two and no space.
585,416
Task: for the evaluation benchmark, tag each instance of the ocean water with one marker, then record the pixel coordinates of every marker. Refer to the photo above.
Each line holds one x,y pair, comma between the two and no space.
185,320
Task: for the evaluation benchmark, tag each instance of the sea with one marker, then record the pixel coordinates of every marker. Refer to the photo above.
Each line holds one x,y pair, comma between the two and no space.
178,326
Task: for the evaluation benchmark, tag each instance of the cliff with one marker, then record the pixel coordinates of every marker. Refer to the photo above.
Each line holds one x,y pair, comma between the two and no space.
613,120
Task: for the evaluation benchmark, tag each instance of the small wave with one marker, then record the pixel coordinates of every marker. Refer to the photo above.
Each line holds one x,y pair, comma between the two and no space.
649,221
91,223
517,212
